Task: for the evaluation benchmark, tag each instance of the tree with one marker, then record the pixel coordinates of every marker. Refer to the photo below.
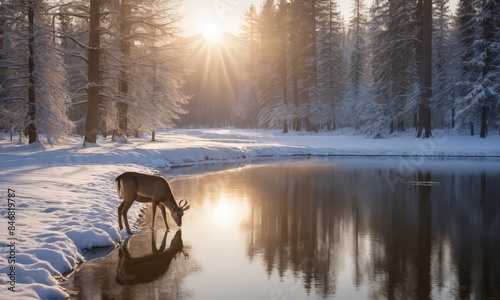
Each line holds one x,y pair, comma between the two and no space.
135,45
488,85
303,59
31,128
467,33
73,34
148,48
330,62
268,79
394,60
443,66
424,122
34,87
250,37
282,23
93,74
357,32
356,94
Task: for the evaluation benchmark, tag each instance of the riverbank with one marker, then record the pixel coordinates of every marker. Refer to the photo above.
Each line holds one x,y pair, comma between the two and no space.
61,200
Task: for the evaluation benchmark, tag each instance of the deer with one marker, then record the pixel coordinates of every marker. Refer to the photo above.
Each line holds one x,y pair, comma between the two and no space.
149,267
145,188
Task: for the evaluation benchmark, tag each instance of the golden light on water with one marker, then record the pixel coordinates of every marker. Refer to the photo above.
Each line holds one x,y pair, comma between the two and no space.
225,211
230,210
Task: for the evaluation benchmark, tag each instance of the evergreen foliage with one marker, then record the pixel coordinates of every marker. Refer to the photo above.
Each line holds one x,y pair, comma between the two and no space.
305,69
33,85
372,77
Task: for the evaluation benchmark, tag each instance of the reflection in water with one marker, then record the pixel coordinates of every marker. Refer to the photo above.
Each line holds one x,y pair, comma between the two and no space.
317,229
347,232
138,270
149,267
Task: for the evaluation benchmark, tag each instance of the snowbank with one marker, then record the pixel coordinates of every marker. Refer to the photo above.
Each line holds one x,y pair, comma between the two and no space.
65,199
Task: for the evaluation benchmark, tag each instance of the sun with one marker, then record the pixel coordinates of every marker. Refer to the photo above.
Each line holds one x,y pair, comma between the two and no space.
213,32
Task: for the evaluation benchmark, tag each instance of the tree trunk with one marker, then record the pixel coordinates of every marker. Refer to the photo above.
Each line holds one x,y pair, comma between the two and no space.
297,124
283,62
484,125
32,133
472,128
93,74
453,117
296,120
102,126
253,121
2,24
426,71
125,30
295,52
401,126
122,111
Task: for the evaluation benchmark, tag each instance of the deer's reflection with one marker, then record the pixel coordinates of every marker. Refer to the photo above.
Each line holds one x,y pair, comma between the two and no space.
147,268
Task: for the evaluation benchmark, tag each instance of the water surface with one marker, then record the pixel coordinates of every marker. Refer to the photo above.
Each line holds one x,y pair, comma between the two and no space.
317,229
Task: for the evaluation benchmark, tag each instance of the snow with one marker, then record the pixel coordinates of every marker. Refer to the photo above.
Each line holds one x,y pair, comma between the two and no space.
66,198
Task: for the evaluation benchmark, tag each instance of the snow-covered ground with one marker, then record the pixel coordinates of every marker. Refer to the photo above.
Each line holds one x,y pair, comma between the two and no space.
65,198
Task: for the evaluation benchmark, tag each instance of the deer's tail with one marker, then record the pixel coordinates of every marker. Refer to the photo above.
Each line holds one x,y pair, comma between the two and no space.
118,181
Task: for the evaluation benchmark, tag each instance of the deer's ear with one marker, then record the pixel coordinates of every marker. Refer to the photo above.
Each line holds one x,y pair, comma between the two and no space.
186,208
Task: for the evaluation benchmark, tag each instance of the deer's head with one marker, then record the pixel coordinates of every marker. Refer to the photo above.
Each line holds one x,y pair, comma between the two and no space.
178,212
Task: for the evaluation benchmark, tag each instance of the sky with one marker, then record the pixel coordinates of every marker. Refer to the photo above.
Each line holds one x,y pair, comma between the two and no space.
198,15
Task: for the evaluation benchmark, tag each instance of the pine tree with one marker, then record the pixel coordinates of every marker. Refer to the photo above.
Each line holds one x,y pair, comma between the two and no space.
282,19
250,38
357,30
467,33
73,34
488,86
442,65
34,86
330,62
141,28
137,40
358,73
267,72
303,59
394,60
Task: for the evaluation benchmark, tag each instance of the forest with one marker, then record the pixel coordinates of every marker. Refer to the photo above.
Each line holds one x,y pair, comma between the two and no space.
89,67
123,67
309,66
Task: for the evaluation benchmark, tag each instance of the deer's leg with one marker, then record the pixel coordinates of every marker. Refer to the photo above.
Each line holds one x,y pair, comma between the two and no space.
120,209
153,242
164,214
154,204
164,241
127,204
123,251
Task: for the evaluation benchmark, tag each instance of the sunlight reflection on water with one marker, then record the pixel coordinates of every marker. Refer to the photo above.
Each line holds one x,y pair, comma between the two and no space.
328,229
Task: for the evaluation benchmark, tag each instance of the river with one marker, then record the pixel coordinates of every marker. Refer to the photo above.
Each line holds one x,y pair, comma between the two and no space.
319,228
